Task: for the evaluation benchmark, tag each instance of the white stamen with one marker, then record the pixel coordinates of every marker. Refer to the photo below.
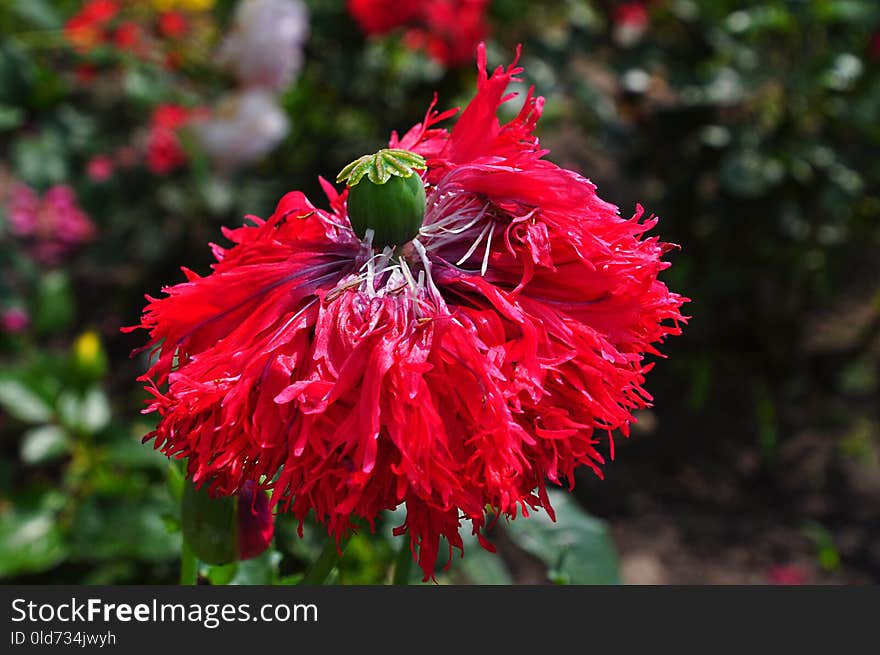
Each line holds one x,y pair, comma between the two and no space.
488,249
474,245
423,254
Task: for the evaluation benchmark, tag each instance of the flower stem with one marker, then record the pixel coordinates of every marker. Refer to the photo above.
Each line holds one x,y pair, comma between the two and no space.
189,566
402,564
317,573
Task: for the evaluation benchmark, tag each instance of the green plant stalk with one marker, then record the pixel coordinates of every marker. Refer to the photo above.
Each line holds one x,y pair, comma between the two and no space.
189,566
317,573
402,564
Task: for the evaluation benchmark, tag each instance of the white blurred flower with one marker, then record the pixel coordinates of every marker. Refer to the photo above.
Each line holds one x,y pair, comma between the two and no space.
265,47
245,126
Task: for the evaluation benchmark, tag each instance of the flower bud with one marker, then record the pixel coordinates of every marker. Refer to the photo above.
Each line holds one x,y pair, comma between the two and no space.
386,195
227,529
89,357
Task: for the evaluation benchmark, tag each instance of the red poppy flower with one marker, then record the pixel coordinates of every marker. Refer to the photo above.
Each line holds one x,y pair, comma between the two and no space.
170,116
381,16
456,374
85,29
85,74
448,30
129,37
172,24
164,152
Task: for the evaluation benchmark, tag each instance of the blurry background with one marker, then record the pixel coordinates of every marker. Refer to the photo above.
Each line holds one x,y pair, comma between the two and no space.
131,131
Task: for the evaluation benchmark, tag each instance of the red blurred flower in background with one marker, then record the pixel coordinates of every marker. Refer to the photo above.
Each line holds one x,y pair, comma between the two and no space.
100,168
874,47
630,22
172,24
129,37
788,574
448,30
127,29
382,16
493,352
86,29
164,152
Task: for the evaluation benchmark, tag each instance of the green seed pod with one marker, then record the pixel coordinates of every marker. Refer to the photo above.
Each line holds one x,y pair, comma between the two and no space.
386,195
393,210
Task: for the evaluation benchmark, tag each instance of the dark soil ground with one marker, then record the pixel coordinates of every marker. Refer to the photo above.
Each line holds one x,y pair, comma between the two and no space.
714,506
707,525
701,500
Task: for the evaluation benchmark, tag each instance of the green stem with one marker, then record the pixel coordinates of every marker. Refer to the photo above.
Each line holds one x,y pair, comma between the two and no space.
189,566
402,564
317,573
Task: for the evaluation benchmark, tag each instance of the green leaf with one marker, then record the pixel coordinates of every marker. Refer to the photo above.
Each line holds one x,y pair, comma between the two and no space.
38,13
10,117
124,528
95,410
87,414
289,580
44,444
260,570
481,567
40,161
222,574
176,479
22,403
30,539
577,548
847,11
128,452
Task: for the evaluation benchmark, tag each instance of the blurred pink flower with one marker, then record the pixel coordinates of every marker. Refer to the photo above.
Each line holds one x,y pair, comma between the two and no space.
788,574
14,319
630,21
100,168
265,47
53,224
